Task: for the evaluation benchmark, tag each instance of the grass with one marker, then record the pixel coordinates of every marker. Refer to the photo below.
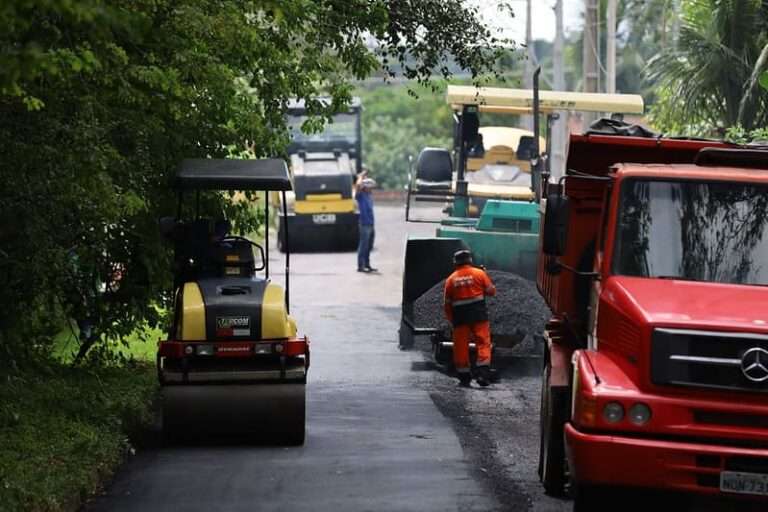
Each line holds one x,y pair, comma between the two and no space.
64,429
139,346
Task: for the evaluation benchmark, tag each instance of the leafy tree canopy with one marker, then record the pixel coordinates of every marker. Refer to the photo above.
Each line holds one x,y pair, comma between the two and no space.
710,80
100,100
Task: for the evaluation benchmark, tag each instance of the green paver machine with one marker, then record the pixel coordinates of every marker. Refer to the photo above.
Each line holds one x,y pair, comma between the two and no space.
497,175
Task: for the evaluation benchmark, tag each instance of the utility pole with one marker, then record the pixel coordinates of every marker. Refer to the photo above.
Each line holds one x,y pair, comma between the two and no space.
530,59
675,22
610,79
560,127
590,55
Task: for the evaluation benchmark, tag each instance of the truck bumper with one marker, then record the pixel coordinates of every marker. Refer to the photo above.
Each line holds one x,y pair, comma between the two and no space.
604,459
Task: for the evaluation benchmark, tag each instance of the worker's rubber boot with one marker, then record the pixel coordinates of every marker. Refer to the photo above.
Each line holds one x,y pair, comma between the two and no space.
465,380
483,376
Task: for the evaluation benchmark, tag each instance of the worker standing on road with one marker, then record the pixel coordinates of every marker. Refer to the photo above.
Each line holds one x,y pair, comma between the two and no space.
465,308
363,189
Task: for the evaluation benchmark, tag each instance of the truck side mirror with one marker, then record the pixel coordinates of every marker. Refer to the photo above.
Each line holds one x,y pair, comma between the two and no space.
555,224
434,165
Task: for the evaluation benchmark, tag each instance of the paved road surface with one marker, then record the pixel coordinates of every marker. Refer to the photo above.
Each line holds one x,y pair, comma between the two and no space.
386,432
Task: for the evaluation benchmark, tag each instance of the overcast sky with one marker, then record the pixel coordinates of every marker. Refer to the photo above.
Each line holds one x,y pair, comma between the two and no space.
543,17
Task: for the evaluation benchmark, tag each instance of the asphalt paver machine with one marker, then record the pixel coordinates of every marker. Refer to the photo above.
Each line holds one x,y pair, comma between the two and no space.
233,361
505,234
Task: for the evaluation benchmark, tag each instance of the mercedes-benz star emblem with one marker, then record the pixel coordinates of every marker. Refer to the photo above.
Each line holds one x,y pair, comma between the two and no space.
754,364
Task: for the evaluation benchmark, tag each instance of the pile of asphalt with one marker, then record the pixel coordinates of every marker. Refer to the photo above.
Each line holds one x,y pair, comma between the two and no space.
518,313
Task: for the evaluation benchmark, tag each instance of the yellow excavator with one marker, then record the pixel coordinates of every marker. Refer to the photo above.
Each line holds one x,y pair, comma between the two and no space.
232,361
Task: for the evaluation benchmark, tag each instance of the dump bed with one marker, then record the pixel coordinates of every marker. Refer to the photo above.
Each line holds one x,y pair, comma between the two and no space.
590,157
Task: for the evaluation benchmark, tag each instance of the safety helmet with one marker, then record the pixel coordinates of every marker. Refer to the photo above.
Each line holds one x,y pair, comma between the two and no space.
462,257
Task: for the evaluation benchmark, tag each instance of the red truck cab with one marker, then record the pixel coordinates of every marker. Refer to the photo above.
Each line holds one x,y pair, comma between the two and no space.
656,369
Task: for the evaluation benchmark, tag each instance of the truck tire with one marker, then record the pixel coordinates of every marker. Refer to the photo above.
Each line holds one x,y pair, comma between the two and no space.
552,466
589,498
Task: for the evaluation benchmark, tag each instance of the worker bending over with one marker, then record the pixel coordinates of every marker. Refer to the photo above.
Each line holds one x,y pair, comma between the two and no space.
465,308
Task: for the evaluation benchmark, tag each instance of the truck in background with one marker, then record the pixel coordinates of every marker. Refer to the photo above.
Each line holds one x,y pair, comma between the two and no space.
656,366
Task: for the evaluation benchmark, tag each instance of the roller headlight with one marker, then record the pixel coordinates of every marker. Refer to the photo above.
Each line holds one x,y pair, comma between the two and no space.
279,348
204,350
613,412
639,414
189,350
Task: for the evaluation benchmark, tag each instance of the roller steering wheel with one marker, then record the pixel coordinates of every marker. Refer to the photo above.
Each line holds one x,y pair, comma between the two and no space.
236,238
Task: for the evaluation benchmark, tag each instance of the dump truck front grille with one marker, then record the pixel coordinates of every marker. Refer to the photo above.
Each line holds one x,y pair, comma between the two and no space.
709,359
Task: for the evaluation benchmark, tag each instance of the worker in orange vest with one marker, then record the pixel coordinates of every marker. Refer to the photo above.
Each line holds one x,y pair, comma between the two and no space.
465,308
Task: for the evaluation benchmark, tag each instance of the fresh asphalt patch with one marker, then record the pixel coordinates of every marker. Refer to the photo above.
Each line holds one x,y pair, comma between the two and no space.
498,428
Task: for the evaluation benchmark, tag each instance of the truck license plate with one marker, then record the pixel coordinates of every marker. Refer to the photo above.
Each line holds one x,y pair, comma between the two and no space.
744,483
324,218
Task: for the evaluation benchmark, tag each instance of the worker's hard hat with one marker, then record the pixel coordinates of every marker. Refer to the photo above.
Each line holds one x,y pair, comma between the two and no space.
368,183
461,257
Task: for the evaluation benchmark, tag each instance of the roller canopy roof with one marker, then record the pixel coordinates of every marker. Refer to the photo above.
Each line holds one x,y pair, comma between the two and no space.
231,174
520,101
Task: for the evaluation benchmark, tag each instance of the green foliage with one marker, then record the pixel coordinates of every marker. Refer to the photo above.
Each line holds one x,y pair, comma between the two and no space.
99,101
400,120
707,82
64,430
396,126
646,28
739,135
139,346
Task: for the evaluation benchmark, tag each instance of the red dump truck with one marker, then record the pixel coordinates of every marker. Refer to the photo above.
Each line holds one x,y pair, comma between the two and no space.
656,368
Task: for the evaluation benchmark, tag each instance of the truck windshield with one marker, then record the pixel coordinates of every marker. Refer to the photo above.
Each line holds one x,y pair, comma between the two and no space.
342,130
699,231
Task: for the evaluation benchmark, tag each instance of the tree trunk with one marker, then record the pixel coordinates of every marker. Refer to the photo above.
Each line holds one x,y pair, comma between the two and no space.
750,87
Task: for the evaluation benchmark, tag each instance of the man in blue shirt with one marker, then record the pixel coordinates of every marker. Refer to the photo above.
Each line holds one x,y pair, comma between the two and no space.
364,200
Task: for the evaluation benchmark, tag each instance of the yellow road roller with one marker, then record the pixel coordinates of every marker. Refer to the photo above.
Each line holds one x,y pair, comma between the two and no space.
322,209
232,362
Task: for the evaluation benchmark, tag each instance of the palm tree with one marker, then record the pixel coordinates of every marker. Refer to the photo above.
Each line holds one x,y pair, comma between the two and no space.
646,28
710,78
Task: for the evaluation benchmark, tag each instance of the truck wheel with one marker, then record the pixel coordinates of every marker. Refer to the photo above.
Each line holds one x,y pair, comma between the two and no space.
552,443
589,498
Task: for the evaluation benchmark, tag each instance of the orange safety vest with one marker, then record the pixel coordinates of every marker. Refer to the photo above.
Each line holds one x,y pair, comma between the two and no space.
465,292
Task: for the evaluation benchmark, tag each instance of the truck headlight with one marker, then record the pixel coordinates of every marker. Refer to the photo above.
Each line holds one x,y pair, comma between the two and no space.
613,412
639,414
